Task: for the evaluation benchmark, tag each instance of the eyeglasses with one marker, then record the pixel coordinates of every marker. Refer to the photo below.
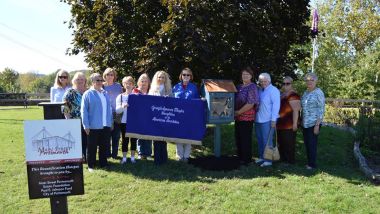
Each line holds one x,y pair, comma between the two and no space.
110,74
99,80
62,77
286,83
186,75
309,80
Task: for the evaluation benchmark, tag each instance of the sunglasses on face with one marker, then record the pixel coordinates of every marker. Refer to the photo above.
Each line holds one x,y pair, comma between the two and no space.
99,80
186,75
286,83
62,77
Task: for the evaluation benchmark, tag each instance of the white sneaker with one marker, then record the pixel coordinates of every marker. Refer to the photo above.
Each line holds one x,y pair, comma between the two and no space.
123,161
259,160
133,160
90,170
266,163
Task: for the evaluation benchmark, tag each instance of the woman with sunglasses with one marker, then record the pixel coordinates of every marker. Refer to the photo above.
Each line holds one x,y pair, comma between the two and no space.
313,109
61,85
97,121
185,90
287,123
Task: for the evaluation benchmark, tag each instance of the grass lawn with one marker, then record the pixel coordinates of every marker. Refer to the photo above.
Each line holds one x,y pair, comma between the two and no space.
336,187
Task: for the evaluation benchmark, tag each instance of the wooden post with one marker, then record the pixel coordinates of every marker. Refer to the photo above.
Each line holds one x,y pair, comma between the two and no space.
217,140
58,205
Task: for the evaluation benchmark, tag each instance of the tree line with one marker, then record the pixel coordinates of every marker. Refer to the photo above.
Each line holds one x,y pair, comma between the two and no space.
216,38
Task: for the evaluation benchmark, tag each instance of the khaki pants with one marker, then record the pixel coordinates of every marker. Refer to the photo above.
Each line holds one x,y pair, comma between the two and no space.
183,150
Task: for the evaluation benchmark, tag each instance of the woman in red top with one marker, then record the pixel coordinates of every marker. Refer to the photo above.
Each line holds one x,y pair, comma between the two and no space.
287,123
246,101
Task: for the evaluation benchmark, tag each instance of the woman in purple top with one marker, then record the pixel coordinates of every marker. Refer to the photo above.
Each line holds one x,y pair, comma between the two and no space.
113,89
246,102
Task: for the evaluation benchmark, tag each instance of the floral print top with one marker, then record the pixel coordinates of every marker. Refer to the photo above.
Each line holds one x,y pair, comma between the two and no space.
313,107
72,101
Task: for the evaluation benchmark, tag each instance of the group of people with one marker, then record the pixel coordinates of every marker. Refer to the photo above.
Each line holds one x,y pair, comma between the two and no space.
102,109
99,106
276,117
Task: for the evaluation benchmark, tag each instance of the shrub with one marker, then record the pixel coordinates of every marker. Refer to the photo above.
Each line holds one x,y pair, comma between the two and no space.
341,115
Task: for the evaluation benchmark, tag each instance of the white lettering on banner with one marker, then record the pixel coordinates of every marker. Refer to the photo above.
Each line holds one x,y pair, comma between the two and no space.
167,113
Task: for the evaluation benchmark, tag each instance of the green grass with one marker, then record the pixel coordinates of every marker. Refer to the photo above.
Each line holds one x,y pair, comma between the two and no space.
336,187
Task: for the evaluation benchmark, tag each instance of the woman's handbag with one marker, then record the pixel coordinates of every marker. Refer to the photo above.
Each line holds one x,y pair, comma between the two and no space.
271,151
117,117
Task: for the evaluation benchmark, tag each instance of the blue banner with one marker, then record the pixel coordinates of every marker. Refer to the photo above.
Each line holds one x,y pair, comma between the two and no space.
166,118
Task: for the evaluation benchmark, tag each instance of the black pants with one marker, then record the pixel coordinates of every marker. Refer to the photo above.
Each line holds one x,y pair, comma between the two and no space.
311,141
160,152
125,140
97,137
286,140
243,140
84,143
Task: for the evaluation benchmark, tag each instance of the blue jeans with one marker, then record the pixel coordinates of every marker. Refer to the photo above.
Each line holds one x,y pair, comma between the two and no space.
311,141
262,133
144,147
113,142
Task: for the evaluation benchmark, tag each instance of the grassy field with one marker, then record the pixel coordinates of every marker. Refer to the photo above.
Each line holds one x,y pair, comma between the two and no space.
336,187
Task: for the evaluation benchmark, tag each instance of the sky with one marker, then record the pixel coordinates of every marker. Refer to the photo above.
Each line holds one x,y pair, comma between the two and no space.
33,37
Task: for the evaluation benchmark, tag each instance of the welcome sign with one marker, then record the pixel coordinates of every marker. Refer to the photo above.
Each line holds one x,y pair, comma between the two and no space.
53,158
166,118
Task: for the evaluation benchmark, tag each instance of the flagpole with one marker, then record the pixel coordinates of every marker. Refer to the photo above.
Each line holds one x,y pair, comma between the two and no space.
314,35
314,53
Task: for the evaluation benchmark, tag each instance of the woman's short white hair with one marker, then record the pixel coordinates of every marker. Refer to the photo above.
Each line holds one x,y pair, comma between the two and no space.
311,75
265,76
288,78
94,76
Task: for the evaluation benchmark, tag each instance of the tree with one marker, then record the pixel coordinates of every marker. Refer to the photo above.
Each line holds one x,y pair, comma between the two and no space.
214,38
8,80
349,55
25,81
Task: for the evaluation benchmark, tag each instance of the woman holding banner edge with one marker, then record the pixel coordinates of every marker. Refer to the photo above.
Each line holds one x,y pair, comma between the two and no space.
161,86
144,147
185,90
121,108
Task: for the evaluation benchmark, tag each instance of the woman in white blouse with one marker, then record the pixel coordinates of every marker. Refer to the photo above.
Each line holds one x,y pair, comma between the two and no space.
61,85
121,108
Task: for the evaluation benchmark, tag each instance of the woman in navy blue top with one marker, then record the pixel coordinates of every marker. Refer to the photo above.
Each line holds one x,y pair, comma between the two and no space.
185,90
